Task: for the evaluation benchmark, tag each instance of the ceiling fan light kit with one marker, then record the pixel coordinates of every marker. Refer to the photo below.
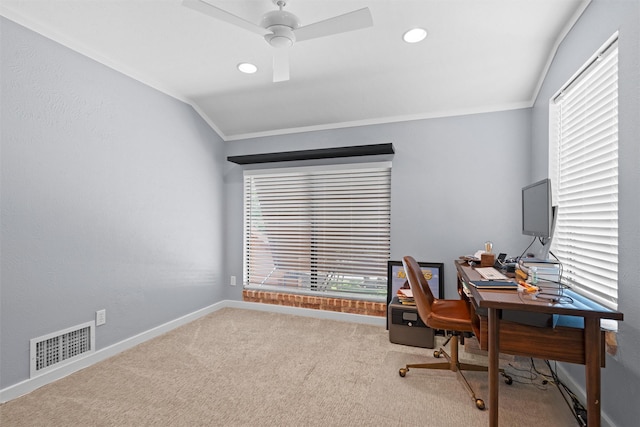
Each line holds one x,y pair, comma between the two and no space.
281,36
281,29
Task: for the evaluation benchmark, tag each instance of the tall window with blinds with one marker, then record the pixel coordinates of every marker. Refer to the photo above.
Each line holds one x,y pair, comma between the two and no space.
583,160
323,231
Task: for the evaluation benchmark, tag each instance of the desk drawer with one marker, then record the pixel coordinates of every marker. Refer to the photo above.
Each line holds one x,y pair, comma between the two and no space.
560,343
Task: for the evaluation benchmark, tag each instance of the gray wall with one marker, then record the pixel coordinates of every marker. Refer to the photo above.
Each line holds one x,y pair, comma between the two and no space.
111,196
455,184
621,378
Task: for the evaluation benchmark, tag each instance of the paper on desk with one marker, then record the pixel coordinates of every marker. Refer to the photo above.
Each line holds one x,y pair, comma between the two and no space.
406,292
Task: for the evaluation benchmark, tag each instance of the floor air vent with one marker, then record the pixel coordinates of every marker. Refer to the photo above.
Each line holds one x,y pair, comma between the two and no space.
60,348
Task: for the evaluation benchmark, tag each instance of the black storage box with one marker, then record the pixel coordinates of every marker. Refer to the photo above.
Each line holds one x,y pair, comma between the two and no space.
406,327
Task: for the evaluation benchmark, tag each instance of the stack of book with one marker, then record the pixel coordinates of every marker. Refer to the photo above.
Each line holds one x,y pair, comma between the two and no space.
547,270
405,296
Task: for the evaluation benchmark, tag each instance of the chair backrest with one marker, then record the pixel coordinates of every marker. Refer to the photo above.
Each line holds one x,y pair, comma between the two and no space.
419,287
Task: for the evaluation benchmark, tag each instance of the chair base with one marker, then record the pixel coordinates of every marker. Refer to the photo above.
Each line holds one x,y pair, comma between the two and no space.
453,364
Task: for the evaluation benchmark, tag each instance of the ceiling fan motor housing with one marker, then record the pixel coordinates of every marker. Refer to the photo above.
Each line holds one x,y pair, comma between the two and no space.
281,24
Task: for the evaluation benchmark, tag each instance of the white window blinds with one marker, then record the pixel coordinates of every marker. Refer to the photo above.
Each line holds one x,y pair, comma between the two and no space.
318,230
584,167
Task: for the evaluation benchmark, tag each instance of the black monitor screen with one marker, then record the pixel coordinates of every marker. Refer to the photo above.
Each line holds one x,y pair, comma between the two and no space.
536,209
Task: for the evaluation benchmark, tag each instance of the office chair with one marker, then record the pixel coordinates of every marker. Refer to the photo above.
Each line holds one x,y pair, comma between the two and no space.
450,315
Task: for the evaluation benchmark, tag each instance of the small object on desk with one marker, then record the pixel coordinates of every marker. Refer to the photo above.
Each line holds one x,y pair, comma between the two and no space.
487,260
509,267
495,284
527,288
469,258
490,273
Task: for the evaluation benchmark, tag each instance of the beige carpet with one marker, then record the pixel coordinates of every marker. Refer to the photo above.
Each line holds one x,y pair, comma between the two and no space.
251,368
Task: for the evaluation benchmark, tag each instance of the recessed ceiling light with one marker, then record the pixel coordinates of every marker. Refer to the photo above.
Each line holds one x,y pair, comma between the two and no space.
415,35
247,68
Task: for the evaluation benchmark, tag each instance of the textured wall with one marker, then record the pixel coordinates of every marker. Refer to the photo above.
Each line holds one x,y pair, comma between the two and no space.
111,199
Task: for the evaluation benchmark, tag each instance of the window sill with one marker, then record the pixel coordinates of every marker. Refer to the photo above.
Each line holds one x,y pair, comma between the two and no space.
342,305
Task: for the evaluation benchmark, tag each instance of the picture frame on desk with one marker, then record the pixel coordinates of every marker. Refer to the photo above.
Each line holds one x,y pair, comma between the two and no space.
397,278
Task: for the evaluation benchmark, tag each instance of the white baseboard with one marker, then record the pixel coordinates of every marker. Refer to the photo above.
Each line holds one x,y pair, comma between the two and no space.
31,384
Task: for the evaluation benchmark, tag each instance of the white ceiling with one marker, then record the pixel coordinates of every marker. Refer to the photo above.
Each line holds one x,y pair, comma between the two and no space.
479,56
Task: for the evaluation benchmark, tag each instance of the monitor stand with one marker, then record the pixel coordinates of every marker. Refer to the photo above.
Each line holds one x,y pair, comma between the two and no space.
543,253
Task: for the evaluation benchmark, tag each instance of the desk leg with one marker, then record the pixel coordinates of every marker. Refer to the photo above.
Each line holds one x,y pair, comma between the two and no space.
592,348
494,356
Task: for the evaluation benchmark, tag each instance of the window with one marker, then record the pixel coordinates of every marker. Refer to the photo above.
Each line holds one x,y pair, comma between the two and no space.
583,165
318,230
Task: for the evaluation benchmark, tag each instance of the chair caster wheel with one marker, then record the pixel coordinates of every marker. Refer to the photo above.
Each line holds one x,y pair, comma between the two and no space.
508,380
436,354
480,404
403,372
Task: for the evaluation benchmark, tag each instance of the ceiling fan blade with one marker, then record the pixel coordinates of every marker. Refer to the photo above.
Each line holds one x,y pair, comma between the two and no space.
351,21
280,64
208,9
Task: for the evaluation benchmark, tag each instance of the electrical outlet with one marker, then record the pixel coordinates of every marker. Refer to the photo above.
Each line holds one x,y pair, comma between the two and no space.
233,280
101,317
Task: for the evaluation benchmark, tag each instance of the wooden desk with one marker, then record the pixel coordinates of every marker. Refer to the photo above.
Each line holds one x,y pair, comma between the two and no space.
515,323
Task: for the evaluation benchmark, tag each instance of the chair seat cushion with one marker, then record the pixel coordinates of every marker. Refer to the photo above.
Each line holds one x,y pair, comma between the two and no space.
451,315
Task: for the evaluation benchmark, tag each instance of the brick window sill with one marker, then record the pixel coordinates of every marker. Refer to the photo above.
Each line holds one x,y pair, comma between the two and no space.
319,303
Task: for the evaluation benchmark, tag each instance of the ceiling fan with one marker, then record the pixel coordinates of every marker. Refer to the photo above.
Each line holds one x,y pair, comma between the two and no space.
282,29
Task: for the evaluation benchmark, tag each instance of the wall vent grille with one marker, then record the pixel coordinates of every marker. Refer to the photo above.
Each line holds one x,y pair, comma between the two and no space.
60,348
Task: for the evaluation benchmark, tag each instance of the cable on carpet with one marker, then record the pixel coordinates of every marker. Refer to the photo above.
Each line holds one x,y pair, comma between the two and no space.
577,408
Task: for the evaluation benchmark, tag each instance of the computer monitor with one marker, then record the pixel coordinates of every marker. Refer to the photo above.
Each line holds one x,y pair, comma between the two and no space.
538,213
